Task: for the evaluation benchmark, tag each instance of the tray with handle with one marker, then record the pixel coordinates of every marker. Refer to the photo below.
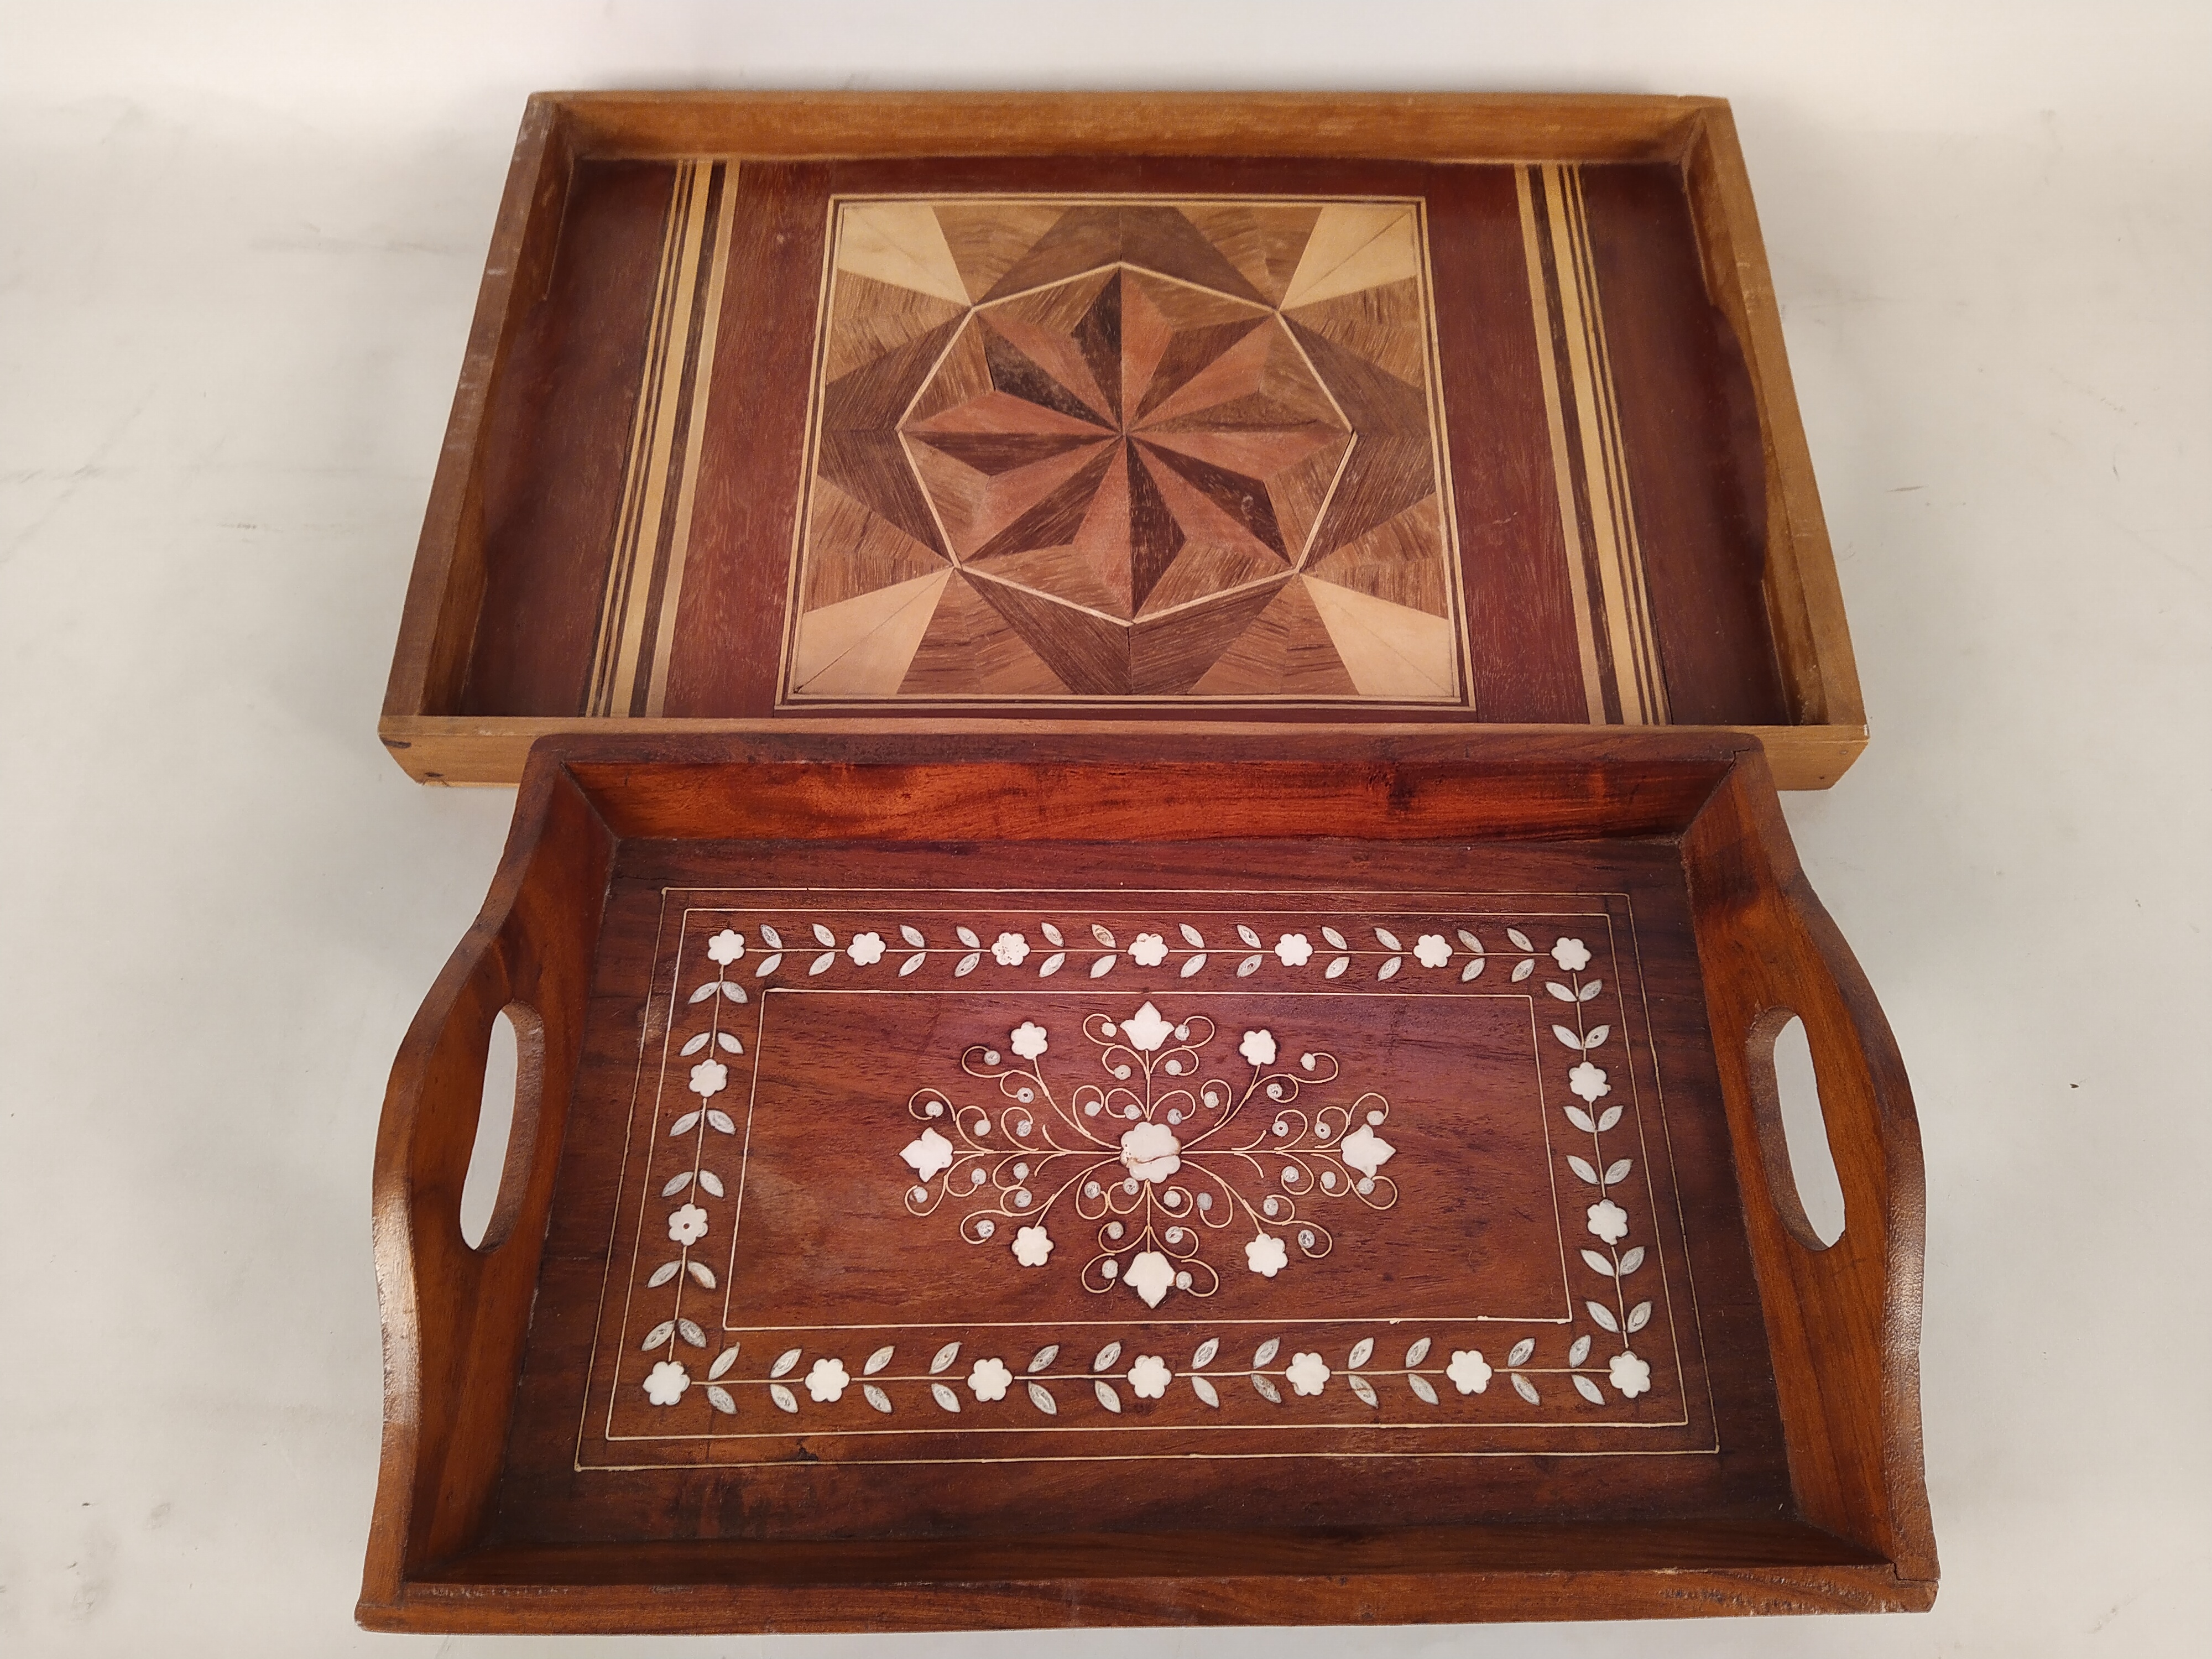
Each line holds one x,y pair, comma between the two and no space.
968,1191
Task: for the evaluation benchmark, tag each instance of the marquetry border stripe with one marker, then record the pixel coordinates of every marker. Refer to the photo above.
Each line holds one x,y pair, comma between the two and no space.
1622,679
653,527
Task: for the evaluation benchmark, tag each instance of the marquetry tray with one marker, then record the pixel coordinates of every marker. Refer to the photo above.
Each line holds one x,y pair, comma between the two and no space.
1216,1189
1138,414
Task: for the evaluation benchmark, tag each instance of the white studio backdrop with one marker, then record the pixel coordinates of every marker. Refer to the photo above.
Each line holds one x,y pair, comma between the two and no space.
239,249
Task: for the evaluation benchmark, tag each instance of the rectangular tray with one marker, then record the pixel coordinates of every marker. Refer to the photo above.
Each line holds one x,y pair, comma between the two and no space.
1219,1189
1146,414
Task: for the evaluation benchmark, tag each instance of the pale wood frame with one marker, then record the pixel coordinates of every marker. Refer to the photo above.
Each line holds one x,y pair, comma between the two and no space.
446,592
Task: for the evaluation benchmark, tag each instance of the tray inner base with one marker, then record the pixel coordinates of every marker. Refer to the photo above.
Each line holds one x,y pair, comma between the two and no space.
1484,1259
1113,438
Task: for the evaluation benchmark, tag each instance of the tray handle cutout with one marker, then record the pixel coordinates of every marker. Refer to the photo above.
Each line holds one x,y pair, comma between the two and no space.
455,1310
1843,1318
506,1127
1793,1130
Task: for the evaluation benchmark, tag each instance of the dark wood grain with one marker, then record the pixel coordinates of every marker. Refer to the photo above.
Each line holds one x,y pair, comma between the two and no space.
1693,439
1522,652
556,437
1813,1500
459,1316
445,590
1853,1411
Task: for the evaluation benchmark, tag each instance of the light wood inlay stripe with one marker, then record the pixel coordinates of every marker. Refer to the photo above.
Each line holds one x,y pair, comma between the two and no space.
651,538
1562,476
1636,598
1624,682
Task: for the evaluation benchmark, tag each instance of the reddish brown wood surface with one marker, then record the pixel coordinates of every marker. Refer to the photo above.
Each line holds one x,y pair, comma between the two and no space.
1693,446
555,440
1812,1499
499,643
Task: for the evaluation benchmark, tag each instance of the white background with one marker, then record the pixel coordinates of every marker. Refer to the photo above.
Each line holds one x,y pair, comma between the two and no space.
239,248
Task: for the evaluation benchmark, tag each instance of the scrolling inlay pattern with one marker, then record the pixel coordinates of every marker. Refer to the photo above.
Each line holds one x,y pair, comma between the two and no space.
1156,1159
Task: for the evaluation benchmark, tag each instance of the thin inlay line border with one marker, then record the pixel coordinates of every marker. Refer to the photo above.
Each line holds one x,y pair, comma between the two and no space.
646,562
1624,681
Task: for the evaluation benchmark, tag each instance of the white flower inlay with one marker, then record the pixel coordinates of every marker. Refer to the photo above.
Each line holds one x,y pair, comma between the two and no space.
1121,1151
928,1152
1267,1256
988,1379
665,1384
1365,1151
1631,1375
1307,1373
1150,1151
1157,1114
1468,1370
1149,1376
1149,1275
1146,1030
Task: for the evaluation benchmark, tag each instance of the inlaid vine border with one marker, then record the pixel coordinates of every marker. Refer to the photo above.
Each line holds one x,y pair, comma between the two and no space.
991,1379
820,947
1307,1373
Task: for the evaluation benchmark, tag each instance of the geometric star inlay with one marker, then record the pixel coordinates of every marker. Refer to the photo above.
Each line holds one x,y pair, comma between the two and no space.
1130,450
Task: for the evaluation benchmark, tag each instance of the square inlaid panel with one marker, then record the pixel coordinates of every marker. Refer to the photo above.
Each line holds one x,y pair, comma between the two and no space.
1127,446
886,1158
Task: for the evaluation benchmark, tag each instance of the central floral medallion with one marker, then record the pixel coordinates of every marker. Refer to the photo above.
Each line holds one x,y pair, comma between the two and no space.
1177,1146
1152,1151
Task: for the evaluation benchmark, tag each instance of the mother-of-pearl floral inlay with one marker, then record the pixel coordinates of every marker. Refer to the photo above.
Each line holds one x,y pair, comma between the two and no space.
1179,1144
1153,1163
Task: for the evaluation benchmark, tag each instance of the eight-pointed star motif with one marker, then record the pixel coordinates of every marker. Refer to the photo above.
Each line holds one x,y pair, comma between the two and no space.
1125,443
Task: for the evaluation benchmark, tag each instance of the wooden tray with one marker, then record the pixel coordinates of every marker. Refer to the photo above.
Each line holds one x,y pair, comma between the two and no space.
1219,1189
1139,414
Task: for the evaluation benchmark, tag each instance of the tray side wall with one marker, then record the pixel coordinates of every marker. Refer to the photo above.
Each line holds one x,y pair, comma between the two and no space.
1804,597
446,590
1843,1322
1677,1570
455,1317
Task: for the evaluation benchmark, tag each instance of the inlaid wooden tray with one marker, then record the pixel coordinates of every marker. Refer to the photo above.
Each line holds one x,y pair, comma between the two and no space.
1222,1188
1139,415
